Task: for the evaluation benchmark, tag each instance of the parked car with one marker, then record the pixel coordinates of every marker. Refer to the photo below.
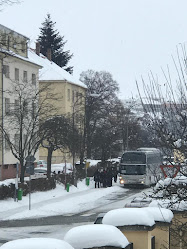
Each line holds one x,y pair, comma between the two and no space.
42,163
138,202
99,218
40,172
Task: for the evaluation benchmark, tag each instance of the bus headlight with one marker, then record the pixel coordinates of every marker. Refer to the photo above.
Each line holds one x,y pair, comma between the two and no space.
122,181
142,181
120,177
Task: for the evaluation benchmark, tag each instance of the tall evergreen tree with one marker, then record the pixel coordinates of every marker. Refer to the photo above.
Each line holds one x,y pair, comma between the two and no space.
50,38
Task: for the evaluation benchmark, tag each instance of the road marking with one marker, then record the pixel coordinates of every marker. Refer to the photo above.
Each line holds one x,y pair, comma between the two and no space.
68,214
87,214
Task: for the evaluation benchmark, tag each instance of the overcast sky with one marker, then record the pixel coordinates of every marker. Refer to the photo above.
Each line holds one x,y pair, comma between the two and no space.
127,38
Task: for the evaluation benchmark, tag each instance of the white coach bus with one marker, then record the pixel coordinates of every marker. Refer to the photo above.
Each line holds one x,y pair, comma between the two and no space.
140,167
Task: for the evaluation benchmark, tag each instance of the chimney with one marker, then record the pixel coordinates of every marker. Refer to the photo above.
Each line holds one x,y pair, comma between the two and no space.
37,48
49,54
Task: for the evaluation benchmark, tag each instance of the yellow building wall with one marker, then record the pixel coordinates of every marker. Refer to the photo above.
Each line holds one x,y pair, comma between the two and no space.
140,239
161,234
64,103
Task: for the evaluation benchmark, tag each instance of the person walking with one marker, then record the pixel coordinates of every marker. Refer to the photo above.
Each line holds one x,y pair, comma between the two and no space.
114,174
109,177
103,178
97,178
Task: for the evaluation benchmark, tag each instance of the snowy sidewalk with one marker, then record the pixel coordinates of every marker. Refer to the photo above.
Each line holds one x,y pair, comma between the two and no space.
57,202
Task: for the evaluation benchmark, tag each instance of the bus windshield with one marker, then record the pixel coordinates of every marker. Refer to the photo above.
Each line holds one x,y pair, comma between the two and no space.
134,158
133,169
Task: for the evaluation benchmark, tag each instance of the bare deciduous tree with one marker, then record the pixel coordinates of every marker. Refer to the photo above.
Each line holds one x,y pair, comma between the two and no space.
22,118
167,119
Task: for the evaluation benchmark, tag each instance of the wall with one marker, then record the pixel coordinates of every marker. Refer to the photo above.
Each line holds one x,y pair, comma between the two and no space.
63,104
13,41
161,233
22,66
140,239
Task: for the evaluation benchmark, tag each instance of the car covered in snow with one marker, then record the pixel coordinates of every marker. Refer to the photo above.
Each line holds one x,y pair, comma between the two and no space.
42,163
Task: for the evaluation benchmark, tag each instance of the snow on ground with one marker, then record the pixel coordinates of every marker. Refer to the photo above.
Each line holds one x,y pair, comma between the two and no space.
93,162
56,201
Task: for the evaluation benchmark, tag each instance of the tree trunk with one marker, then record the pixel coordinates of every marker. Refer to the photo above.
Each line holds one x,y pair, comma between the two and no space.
49,158
22,171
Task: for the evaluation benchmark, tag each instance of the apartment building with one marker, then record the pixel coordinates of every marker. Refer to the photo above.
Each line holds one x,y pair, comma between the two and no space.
17,73
68,96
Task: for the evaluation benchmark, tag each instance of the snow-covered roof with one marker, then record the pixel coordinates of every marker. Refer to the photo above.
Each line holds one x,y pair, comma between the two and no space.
97,235
51,71
146,216
42,243
13,54
128,217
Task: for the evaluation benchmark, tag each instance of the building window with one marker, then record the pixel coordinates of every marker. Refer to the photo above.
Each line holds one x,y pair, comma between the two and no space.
7,147
5,166
7,106
33,110
16,105
77,97
23,47
68,94
25,107
6,71
73,96
34,79
16,74
16,141
24,76
81,98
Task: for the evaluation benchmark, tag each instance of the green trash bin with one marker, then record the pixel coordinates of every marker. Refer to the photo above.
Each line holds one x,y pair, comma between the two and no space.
67,187
87,181
20,194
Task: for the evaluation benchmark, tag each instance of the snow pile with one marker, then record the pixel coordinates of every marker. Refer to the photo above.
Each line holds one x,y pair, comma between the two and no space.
178,180
169,204
160,214
7,182
93,162
128,217
37,243
89,236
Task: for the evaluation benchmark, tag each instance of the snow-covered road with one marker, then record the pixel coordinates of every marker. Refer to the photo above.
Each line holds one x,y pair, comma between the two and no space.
83,201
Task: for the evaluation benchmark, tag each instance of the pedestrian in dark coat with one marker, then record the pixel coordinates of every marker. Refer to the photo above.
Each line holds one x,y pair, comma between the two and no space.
97,178
103,178
109,177
114,174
